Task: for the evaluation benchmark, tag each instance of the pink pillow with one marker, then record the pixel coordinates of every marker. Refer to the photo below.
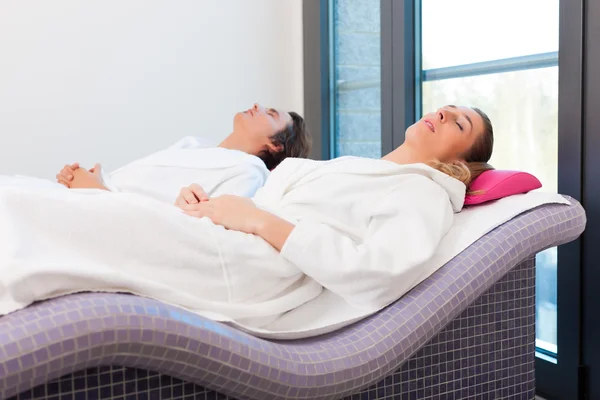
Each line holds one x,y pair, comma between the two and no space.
496,184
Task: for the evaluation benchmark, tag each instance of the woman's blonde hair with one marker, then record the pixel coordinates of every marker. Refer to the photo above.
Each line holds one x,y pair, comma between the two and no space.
463,171
475,160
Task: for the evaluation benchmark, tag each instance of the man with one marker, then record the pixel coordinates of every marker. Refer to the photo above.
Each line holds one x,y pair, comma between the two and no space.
261,139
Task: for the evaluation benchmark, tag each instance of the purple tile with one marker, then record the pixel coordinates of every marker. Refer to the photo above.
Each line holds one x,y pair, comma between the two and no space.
146,335
12,366
27,361
451,289
83,342
108,336
122,335
55,349
159,337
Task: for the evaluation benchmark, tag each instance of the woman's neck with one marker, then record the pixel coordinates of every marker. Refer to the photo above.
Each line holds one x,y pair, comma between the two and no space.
405,154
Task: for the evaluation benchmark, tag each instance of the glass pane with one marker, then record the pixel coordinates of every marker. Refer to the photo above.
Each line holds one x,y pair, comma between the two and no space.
466,31
546,323
357,91
523,107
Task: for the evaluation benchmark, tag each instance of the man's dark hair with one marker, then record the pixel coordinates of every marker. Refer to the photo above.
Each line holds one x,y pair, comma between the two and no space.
295,140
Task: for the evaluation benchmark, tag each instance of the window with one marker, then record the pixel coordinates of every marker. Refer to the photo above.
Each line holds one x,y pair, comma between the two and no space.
356,91
513,77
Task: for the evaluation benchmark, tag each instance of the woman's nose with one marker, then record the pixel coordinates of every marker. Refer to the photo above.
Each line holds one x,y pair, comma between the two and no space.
442,115
257,107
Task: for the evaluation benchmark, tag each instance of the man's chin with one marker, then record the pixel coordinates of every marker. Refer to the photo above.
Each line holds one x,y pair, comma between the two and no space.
239,122
238,118
241,116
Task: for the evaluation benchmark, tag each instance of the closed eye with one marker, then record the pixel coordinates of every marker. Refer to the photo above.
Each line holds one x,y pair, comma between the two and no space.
460,126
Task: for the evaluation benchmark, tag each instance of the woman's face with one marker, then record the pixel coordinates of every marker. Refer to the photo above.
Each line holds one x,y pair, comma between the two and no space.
447,134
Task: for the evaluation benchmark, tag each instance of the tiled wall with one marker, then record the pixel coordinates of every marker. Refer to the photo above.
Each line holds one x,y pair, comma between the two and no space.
357,67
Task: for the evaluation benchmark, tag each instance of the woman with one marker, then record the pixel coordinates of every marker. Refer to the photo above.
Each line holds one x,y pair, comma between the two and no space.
360,228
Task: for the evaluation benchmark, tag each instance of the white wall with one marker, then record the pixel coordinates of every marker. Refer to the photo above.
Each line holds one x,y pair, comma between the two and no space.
112,80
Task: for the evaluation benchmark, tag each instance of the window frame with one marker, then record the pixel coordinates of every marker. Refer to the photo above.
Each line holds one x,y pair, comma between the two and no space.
590,53
317,63
399,58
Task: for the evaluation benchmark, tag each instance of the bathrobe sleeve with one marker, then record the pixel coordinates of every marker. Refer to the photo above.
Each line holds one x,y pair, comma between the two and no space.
404,230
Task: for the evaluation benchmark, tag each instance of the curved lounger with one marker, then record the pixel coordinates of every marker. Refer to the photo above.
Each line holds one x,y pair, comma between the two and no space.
468,329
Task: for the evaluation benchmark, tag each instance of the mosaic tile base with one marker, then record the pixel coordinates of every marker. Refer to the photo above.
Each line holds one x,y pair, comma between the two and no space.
488,352
485,353
58,337
118,383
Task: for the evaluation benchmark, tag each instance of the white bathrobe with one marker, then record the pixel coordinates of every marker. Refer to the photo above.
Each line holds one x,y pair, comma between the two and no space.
364,231
162,175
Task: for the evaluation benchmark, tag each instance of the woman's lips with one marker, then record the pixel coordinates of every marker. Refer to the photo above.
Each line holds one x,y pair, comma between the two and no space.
429,124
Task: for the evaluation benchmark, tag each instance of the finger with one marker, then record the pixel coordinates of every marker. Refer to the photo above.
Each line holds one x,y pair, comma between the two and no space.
189,207
74,165
198,191
63,182
66,175
180,201
199,214
202,208
189,197
67,172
